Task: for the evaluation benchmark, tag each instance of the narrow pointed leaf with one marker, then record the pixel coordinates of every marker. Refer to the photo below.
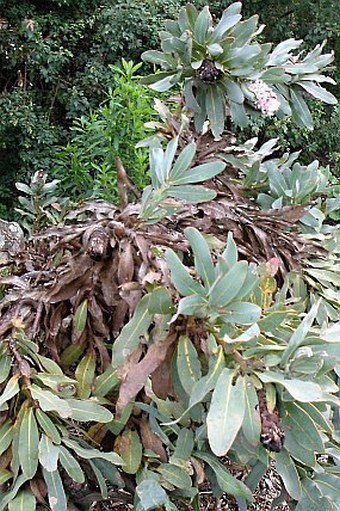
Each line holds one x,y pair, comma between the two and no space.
175,475
6,435
203,261
251,425
288,473
169,156
201,173
202,23
48,426
229,285
55,490
226,412
92,453
71,465
48,453
188,365
300,111
50,402
184,444
183,162
215,107
229,18
129,338
101,480
225,480
318,92
183,282
106,382
24,501
191,193
28,443
12,388
129,448
300,334
204,385
85,375
80,317
302,428
5,367
86,410
229,254
194,305
304,391
245,313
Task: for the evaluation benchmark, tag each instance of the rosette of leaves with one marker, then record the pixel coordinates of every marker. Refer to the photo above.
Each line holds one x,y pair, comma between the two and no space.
40,206
175,180
39,405
276,182
251,376
218,65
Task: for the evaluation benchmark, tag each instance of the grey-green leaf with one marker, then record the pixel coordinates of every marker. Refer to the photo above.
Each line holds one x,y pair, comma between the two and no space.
183,162
105,382
48,426
151,494
50,402
180,276
225,480
300,333
215,107
24,501
251,425
71,465
28,443
12,388
304,391
6,435
175,475
200,173
92,453
85,410
203,261
191,193
129,338
55,489
226,412
229,285
188,364
288,473
48,453
318,92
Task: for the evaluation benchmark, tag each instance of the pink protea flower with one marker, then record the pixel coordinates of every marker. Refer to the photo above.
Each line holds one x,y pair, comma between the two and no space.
266,99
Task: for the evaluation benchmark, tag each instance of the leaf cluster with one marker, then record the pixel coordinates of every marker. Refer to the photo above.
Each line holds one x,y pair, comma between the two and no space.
218,63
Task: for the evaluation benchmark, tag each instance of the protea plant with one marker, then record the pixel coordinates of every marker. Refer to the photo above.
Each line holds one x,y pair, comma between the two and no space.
226,71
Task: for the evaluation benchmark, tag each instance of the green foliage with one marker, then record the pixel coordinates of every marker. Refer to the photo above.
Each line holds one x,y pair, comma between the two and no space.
224,69
160,338
86,167
320,143
175,180
41,207
27,142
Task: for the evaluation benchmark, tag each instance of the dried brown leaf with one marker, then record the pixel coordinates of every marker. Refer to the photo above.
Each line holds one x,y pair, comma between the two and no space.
137,375
150,440
126,266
